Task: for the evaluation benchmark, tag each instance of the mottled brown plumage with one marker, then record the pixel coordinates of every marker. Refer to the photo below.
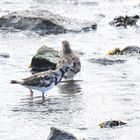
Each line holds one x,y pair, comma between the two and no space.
44,81
68,56
40,79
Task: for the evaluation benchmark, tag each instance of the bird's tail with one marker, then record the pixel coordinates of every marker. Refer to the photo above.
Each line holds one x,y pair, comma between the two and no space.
15,82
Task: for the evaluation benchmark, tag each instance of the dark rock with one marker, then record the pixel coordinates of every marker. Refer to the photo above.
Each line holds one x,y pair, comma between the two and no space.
111,123
105,61
43,22
45,59
125,21
57,134
4,55
86,29
129,50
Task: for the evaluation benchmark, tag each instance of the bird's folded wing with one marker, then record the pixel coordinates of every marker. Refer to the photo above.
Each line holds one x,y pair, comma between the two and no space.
42,79
74,61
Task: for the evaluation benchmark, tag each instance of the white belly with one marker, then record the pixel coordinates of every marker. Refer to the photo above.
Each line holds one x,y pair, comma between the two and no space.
42,89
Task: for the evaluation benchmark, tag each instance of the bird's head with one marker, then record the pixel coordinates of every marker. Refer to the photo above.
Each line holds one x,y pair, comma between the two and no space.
66,67
66,47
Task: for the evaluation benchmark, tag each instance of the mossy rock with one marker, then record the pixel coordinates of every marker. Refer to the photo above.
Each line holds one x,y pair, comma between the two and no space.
47,51
45,59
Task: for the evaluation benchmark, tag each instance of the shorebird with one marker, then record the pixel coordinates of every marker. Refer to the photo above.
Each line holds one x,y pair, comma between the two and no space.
43,81
68,56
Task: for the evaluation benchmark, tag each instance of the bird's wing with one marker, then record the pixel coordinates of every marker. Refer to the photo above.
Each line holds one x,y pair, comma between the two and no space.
70,59
40,79
61,61
76,64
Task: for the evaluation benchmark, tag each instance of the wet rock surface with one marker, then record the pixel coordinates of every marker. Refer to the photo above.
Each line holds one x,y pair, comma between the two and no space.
45,59
106,61
4,55
57,134
129,50
111,123
43,22
125,21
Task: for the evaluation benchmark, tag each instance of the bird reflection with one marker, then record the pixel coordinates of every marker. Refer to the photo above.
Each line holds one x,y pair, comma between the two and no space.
70,102
69,87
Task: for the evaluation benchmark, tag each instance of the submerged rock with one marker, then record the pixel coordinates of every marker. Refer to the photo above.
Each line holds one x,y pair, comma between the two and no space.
129,50
45,59
111,123
57,134
105,61
125,21
43,22
4,55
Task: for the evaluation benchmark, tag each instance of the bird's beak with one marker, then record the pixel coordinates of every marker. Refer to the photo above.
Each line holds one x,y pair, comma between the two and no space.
71,69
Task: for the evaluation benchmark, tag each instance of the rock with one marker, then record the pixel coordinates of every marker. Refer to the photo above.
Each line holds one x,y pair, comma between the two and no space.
125,21
111,123
45,59
105,61
43,22
57,134
88,3
129,50
4,55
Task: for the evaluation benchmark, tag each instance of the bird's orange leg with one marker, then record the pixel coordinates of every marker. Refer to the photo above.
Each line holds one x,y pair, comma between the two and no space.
31,93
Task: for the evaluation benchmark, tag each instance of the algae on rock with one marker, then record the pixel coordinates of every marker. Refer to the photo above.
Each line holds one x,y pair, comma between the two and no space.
45,59
125,21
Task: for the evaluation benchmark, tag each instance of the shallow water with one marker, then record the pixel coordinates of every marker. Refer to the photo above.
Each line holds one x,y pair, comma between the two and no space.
105,92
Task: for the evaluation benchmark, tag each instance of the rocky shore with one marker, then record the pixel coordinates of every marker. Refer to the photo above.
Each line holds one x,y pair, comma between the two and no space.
43,22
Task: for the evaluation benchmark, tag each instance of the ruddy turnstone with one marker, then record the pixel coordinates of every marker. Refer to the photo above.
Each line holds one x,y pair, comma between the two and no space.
44,81
68,56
